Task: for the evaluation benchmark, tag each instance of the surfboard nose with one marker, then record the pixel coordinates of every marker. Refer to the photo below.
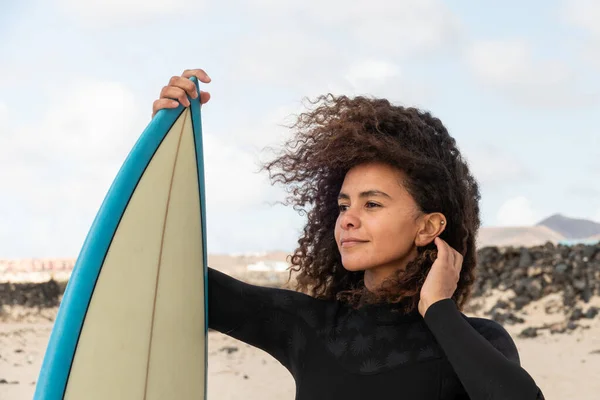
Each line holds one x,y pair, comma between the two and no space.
133,323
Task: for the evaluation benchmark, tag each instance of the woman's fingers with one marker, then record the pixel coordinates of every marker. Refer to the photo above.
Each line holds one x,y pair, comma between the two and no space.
198,73
202,77
453,257
444,251
458,260
163,103
175,93
178,83
204,97
178,90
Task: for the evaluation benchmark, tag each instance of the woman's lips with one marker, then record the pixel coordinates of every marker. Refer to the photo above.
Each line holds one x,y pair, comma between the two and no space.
352,243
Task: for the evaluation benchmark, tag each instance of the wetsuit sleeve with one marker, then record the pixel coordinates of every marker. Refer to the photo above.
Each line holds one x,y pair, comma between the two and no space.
487,363
260,316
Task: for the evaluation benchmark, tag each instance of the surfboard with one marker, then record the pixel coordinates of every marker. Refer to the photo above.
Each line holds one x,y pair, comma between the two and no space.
133,320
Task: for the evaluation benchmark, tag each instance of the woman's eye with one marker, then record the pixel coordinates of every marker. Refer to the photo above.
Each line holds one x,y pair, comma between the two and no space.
370,204
342,207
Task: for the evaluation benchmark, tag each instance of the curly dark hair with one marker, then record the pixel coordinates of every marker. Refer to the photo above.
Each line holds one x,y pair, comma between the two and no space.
340,133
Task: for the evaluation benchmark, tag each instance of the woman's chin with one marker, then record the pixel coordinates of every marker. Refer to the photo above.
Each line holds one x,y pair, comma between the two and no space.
354,261
355,266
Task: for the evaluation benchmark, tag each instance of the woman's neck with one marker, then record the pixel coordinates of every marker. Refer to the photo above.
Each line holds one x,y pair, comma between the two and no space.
374,277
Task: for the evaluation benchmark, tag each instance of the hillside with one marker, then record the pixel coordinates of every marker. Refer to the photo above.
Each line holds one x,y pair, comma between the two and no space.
571,228
517,236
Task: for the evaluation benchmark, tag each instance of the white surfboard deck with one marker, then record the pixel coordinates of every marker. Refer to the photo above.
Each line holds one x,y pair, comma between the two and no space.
133,321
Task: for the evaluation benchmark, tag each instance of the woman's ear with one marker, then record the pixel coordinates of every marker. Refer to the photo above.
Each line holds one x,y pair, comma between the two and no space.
430,226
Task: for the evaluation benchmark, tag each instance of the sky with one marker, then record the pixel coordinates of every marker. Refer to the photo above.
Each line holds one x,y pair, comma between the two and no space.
515,83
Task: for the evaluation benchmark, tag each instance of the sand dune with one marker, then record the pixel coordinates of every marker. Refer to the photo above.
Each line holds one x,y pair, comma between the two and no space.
526,236
564,366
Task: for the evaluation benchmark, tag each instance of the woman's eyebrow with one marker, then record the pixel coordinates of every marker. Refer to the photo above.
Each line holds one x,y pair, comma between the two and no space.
368,193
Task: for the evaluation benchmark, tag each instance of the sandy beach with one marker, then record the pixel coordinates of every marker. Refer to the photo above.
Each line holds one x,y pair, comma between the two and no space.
564,365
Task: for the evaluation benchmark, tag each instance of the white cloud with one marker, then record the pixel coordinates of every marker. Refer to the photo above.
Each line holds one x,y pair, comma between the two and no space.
370,72
516,212
55,168
370,77
232,182
511,67
501,61
295,59
590,52
584,14
383,79
125,11
55,172
400,27
93,120
89,123
492,166
309,45
3,118
582,190
596,217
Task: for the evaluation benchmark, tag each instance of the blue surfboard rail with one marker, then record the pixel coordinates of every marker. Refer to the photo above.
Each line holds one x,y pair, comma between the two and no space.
54,373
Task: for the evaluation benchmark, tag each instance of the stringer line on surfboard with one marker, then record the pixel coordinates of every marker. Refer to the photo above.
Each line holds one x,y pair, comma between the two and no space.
161,251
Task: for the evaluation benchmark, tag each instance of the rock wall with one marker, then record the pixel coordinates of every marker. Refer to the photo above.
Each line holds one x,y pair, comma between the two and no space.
569,276
36,295
538,271
532,273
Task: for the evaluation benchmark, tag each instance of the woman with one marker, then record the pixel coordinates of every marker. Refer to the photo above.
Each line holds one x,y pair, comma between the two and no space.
385,264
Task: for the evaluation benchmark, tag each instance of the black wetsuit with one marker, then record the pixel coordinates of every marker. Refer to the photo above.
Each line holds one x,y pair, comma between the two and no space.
334,352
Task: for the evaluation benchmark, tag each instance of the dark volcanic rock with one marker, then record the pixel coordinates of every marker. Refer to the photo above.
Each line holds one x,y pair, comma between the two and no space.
521,301
528,333
525,260
45,294
534,289
576,314
533,273
571,325
570,272
229,349
591,313
502,305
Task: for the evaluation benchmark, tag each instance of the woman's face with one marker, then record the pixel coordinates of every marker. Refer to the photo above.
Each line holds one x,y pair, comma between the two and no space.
377,224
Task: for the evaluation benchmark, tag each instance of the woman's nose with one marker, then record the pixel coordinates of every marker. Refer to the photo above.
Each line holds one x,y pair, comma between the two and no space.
349,219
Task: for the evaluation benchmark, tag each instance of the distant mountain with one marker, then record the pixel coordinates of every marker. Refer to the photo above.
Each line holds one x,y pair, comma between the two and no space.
517,236
571,228
593,238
